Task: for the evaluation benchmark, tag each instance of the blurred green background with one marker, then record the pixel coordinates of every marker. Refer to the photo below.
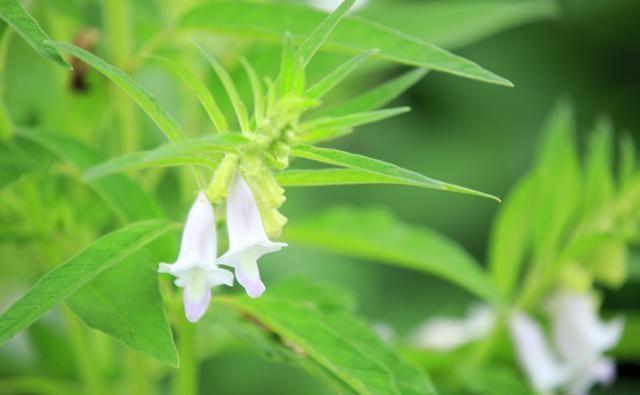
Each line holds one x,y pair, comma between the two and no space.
473,134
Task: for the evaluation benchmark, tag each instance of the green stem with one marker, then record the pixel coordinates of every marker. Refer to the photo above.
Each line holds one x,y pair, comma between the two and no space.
186,380
6,126
139,378
117,21
90,378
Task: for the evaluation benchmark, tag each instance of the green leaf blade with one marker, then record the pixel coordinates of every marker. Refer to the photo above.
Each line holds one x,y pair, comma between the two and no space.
12,12
360,162
202,152
348,121
201,91
320,34
125,302
60,283
377,236
378,96
139,94
268,21
332,344
229,86
324,86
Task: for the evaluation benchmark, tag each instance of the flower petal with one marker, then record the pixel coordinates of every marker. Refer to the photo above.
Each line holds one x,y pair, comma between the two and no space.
199,239
243,217
543,369
195,305
249,277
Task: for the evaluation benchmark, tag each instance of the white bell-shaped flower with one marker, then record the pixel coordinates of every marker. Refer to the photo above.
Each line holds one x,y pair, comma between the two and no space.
544,369
195,270
582,338
447,333
247,238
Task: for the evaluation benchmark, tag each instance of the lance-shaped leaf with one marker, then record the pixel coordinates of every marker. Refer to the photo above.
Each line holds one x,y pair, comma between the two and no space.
238,106
291,76
201,91
12,12
256,90
376,97
125,302
60,283
455,24
323,124
313,42
301,326
626,161
511,235
361,162
332,176
139,94
599,182
377,236
269,21
325,85
204,152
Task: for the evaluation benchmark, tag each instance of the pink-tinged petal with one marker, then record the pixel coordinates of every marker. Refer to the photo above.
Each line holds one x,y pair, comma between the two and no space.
195,305
199,239
249,277
247,238
243,217
545,372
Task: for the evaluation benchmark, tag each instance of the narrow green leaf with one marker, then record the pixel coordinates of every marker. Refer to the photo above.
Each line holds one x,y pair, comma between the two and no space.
268,21
599,183
322,135
204,152
12,12
627,160
60,283
238,106
557,169
511,235
289,76
140,95
332,344
256,90
377,236
125,302
320,34
456,24
201,91
355,161
326,177
325,85
349,121
378,96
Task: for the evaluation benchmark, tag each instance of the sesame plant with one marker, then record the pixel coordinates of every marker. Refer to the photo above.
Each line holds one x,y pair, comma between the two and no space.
141,228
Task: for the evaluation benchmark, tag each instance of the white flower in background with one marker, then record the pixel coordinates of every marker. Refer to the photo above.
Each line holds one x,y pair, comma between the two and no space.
247,238
330,5
196,270
444,333
580,339
544,369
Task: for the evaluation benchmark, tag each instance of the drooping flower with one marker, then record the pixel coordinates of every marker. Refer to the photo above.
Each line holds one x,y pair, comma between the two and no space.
247,238
544,369
195,270
446,333
580,339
